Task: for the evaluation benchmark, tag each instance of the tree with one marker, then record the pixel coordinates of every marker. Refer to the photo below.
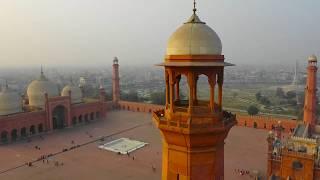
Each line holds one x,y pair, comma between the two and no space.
280,93
158,98
252,110
258,96
132,95
265,101
291,94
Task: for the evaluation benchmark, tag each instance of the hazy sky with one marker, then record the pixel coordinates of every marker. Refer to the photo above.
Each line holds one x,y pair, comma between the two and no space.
92,32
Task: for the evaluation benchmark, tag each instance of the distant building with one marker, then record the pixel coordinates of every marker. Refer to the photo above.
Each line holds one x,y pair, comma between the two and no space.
298,157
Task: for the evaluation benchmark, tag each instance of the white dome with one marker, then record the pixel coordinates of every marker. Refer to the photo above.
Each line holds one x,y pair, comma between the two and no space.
76,94
10,102
194,38
37,89
312,58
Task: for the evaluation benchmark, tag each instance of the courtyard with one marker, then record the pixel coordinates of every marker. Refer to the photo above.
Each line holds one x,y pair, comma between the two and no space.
245,149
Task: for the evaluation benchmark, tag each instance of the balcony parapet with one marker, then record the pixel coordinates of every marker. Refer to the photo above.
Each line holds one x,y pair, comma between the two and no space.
228,120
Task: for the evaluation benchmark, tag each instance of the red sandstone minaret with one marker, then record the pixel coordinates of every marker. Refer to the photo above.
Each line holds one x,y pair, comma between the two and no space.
193,129
311,92
115,81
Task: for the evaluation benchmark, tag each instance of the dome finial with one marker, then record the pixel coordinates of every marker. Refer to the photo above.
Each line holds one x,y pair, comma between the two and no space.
194,7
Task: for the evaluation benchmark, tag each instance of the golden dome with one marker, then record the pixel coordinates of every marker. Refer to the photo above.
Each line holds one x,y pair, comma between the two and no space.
10,102
37,89
76,94
194,38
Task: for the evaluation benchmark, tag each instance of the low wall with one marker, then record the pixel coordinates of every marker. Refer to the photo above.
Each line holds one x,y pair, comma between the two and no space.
259,122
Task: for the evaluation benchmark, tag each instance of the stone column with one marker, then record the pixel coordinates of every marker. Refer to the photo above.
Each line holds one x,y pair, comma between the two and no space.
178,87
191,90
171,83
220,84
196,77
212,83
167,89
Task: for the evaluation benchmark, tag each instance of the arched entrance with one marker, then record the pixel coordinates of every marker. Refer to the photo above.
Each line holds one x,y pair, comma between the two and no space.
14,135
32,130
255,125
4,136
58,117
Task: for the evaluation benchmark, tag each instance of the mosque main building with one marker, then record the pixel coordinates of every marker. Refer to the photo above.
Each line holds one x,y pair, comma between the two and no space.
44,109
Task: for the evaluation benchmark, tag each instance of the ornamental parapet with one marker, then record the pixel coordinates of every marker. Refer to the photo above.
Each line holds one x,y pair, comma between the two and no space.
304,139
287,152
227,120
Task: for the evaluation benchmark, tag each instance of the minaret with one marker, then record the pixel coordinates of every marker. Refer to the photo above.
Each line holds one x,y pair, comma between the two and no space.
310,100
102,95
193,130
115,81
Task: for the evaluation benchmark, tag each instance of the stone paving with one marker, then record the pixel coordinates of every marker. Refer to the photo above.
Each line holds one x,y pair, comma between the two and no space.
245,149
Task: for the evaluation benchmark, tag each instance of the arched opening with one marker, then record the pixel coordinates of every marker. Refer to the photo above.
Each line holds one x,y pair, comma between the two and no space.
255,125
203,88
80,119
245,123
86,119
40,128
58,117
149,110
97,115
74,120
181,94
138,109
14,135
32,130
264,125
4,136
23,132
128,108
92,116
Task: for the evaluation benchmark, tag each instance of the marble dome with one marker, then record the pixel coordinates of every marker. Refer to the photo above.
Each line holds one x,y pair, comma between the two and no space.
10,101
76,94
37,89
194,38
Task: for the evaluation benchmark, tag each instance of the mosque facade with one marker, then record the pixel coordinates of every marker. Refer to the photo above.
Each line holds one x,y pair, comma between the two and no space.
45,109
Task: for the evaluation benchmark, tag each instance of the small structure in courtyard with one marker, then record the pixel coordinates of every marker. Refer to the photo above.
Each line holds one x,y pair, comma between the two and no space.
123,145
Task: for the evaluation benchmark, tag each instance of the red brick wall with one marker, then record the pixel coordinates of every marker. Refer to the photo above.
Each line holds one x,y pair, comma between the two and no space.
259,122
139,107
22,120
265,122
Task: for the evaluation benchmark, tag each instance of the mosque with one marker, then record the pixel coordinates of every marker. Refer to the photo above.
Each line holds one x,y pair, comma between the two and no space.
45,109
193,130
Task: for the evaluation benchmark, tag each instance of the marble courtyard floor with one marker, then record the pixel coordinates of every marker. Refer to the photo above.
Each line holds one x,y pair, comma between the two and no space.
245,148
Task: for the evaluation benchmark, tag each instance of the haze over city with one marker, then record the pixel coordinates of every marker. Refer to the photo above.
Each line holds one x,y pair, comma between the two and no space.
167,89
89,33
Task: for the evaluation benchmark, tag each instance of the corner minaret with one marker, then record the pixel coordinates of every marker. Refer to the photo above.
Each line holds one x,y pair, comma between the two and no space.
115,81
310,106
193,130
